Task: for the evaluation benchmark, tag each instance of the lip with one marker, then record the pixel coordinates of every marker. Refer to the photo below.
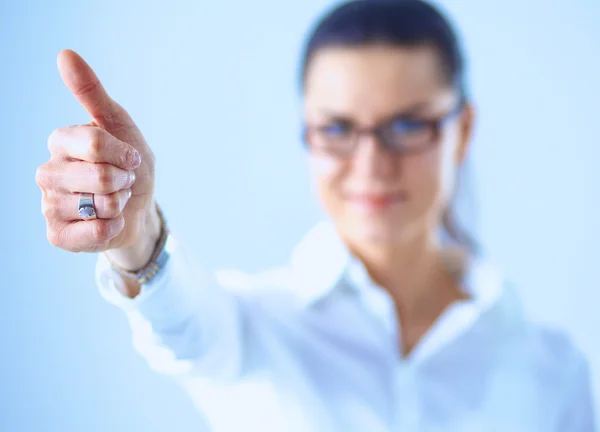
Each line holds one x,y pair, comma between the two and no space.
377,201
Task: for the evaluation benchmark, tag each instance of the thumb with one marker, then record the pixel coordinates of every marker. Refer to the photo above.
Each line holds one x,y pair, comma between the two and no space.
81,80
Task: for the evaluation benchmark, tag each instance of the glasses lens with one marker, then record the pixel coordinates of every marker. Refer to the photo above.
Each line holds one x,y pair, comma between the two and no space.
335,138
403,135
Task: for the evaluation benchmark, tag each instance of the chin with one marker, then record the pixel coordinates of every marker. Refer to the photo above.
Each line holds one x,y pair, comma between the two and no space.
380,232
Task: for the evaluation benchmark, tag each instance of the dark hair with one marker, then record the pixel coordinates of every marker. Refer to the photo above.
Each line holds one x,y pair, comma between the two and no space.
406,23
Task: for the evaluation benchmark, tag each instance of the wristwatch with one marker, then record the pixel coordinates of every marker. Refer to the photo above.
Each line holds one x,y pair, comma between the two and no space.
157,260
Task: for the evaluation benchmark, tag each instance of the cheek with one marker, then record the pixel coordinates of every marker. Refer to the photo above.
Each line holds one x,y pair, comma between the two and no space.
325,167
327,175
430,176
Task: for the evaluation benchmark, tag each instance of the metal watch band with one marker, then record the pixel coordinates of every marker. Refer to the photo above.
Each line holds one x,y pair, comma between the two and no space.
157,261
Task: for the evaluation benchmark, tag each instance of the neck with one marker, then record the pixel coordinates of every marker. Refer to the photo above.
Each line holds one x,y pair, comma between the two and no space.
412,271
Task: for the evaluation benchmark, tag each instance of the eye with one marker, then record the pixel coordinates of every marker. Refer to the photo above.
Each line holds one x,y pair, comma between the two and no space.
337,129
408,135
402,126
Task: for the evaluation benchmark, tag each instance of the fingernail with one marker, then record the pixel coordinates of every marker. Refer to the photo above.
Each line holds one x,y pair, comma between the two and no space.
131,178
128,193
137,159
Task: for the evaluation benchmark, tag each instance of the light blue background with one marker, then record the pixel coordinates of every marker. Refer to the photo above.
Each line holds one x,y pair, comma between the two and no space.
213,87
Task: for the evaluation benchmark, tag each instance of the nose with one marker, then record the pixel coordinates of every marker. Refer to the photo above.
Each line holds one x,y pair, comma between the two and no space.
372,160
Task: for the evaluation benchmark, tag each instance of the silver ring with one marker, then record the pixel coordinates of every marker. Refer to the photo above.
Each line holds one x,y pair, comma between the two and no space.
86,208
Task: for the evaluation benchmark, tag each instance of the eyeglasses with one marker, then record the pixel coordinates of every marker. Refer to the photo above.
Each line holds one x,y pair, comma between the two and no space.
398,136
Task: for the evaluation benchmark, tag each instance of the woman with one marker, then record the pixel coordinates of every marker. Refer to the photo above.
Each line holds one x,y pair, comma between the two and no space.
381,320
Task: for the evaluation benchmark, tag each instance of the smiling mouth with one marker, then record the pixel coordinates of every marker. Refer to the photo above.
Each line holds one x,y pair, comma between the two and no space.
377,201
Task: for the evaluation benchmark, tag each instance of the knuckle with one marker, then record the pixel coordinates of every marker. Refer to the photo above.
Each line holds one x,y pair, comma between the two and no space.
113,205
95,142
55,238
53,140
56,138
49,210
52,237
40,175
100,232
43,175
105,178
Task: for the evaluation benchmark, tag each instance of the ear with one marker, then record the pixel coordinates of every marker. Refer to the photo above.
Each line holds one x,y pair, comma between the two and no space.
466,126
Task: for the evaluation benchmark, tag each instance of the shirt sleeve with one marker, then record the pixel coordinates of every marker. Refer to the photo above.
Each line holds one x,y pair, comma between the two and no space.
182,322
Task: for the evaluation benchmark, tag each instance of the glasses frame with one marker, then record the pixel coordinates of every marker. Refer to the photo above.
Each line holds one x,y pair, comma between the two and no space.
436,125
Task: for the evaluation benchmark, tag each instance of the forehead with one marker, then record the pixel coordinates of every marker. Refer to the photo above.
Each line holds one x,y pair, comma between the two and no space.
373,80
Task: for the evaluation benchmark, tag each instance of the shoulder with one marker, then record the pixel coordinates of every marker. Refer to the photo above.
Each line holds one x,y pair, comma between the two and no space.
556,345
563,369
544,354
551,350
556,349
557,358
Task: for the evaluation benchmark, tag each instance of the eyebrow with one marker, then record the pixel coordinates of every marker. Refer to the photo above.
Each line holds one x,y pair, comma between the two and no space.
411,111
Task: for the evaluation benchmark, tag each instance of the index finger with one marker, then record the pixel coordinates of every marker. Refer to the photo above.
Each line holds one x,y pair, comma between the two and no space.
93,144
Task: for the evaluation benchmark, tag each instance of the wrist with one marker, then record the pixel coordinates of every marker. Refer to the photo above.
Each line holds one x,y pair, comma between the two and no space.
136,256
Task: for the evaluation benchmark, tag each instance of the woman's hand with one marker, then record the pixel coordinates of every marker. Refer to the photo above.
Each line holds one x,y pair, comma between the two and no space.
109,158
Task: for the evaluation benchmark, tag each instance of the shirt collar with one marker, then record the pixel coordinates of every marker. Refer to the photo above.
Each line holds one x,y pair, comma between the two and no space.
320,262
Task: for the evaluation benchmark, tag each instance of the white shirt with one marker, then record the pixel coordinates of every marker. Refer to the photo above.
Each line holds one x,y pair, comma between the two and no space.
313,346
